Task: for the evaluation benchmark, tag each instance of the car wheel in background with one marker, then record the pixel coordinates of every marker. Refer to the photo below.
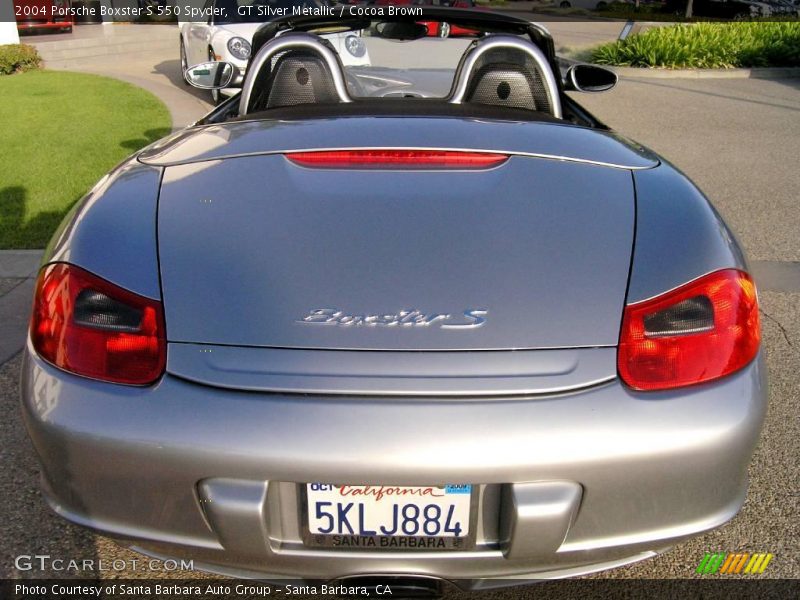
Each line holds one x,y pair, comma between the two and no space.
184,63
444,30
216,96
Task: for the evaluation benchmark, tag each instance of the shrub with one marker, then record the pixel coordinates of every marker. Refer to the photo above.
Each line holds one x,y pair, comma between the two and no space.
16,58
707,45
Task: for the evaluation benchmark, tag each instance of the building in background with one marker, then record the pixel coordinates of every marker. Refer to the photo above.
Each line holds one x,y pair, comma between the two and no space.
8,25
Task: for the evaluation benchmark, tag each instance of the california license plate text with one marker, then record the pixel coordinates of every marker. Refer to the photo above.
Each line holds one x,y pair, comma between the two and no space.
389,510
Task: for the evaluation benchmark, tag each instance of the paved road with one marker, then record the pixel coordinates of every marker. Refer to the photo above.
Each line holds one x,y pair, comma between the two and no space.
158,73
739,140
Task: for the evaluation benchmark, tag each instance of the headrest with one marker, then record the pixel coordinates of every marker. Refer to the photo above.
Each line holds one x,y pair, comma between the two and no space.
502,70
296,68
297,77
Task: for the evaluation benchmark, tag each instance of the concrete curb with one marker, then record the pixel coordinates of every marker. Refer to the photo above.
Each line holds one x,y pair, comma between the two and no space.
755,73
143,55
15,304
656,73
184,108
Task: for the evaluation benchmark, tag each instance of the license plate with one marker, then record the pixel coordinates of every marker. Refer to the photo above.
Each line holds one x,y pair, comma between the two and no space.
389,517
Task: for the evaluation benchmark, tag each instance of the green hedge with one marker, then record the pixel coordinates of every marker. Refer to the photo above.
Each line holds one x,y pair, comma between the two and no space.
707,46
16,58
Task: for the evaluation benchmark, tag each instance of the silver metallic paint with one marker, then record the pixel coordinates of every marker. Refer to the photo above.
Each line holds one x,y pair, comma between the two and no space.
679,235
111,232
539,515
137,463
556,141
654,468
381,373
544,246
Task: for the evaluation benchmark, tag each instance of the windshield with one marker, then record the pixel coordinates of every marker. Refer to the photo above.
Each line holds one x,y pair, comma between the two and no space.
422,68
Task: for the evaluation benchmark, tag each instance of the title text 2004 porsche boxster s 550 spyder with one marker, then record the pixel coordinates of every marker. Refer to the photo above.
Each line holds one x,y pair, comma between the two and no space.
411,321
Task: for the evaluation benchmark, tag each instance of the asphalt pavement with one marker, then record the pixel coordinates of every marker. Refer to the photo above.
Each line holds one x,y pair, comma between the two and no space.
738,139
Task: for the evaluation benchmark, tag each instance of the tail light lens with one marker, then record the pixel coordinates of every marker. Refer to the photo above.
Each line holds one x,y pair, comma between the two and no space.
88,326
698,332
396,159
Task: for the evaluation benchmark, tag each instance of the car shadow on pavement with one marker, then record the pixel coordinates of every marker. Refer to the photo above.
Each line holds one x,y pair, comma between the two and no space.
690,86
150,136
171,69
15,231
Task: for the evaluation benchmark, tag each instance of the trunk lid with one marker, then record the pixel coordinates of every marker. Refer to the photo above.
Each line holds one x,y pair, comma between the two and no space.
257,251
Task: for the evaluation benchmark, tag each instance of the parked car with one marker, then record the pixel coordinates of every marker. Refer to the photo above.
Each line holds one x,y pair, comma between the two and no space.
228,32
585,4
332,333
436,28
32,15
783,8
444,29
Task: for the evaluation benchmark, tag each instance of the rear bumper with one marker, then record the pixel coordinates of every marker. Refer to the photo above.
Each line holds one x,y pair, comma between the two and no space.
570,483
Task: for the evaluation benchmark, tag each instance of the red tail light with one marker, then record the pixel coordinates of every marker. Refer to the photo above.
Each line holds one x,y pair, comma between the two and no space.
698,332
396,159
90,327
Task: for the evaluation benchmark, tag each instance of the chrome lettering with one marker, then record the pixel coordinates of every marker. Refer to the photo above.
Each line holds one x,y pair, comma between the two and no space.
405,318
476,319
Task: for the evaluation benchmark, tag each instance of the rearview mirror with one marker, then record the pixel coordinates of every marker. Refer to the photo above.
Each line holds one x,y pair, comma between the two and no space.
589,78
210,75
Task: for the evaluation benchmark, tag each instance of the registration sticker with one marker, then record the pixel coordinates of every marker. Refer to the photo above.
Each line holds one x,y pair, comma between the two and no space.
389,516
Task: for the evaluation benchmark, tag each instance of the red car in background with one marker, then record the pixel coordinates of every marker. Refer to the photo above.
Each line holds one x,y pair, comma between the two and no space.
437,28
43,14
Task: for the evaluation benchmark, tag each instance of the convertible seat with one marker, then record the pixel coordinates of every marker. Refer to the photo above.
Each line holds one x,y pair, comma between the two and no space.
296,68
507,77
501,70
297,77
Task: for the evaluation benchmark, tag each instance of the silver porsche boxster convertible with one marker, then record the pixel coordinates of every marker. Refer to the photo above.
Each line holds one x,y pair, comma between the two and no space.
426,319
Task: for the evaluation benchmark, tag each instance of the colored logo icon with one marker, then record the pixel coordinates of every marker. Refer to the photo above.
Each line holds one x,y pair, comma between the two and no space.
742,563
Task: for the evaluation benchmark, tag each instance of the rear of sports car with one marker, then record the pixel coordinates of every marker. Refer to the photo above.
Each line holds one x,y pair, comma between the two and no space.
514,349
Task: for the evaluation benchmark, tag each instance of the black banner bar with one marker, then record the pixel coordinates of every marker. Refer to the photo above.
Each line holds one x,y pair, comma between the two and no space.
717,588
